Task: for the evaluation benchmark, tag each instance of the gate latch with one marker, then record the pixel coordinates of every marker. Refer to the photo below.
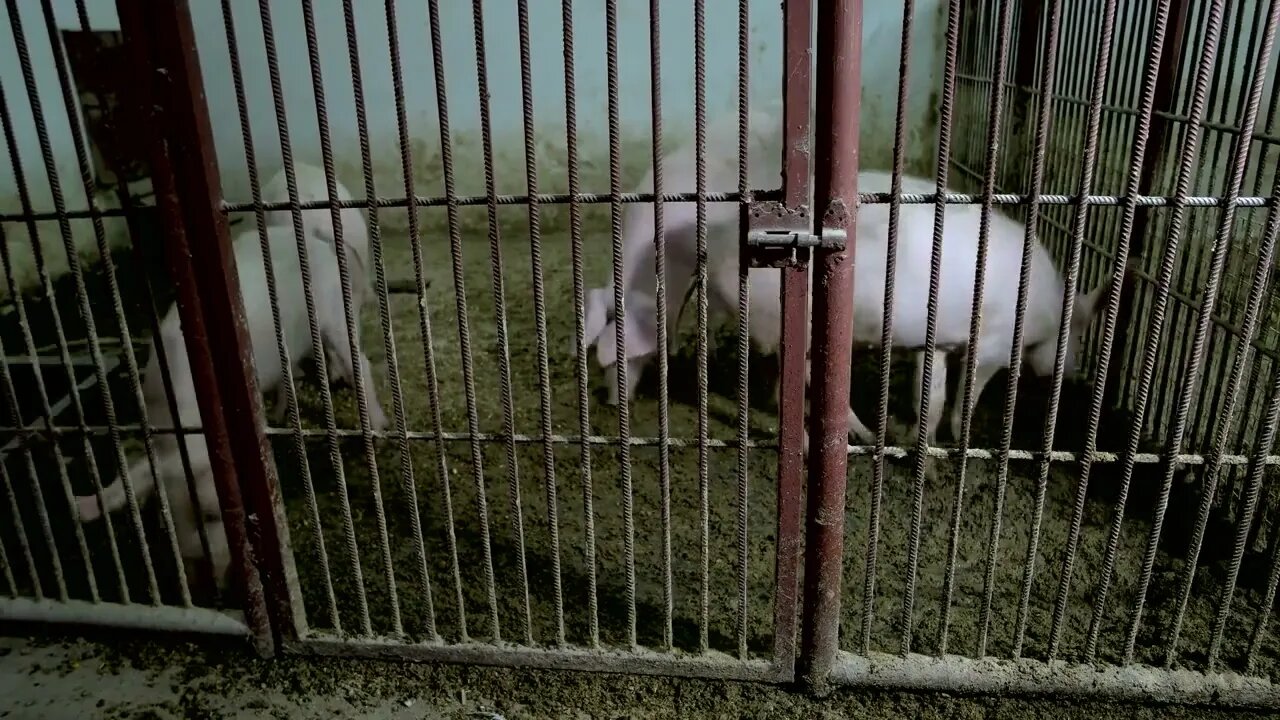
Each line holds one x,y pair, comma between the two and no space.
830,239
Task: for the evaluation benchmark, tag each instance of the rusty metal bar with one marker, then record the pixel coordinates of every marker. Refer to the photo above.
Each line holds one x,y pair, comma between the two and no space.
991,168
24,543
424,329
9,579
1079,223
660,270
1146,105
84,306
1202,431
837,122
286,367
188,191
365,396
540,318
1155,333
117,166
1258,636
925,376
1191,384
88,184
500,326
352,325
1043,124
1165,98
464,336
886,347
796,167
11,402
700,186
1263,444
317,349
579,312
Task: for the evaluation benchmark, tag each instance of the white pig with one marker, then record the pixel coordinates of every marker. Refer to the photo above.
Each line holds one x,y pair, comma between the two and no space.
318,223
294,326
955,293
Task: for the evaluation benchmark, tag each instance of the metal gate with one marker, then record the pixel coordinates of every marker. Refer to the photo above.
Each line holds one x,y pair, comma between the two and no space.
622,544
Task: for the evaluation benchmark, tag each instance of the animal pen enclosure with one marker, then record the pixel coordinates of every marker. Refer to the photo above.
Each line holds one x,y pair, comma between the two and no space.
1104,524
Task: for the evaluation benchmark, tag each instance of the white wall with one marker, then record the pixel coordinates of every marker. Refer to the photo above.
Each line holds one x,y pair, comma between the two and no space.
881,30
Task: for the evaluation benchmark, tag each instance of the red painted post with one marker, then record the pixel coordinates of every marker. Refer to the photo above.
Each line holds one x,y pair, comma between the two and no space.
795,214
839,53
170,100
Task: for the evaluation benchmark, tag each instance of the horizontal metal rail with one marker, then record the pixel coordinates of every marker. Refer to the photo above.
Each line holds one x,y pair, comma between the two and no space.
161,618
999,677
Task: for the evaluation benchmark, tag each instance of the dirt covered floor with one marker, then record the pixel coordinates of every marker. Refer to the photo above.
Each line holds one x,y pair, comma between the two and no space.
133,679
515,476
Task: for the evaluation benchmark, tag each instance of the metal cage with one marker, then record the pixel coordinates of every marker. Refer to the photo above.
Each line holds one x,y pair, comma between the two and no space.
1103,525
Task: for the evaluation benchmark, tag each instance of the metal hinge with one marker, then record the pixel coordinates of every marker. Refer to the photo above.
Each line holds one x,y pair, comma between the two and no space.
830,239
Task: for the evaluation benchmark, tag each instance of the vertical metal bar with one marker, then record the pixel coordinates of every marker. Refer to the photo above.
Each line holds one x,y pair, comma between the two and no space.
464,340
660,270
1129,211
700,186
1262,447
1267,605
286,365
352,323
886,348
424,328
317,348
744,298
1193,265
1079,224
84,305
21,531
1226,228
1165,98
187,186
946,111
1206,412
117,305
1043,124
837,119
1208,53
540,317
991,166
358,358
579,312
130,208
619,309
796,165
500,321
11,401
9,580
